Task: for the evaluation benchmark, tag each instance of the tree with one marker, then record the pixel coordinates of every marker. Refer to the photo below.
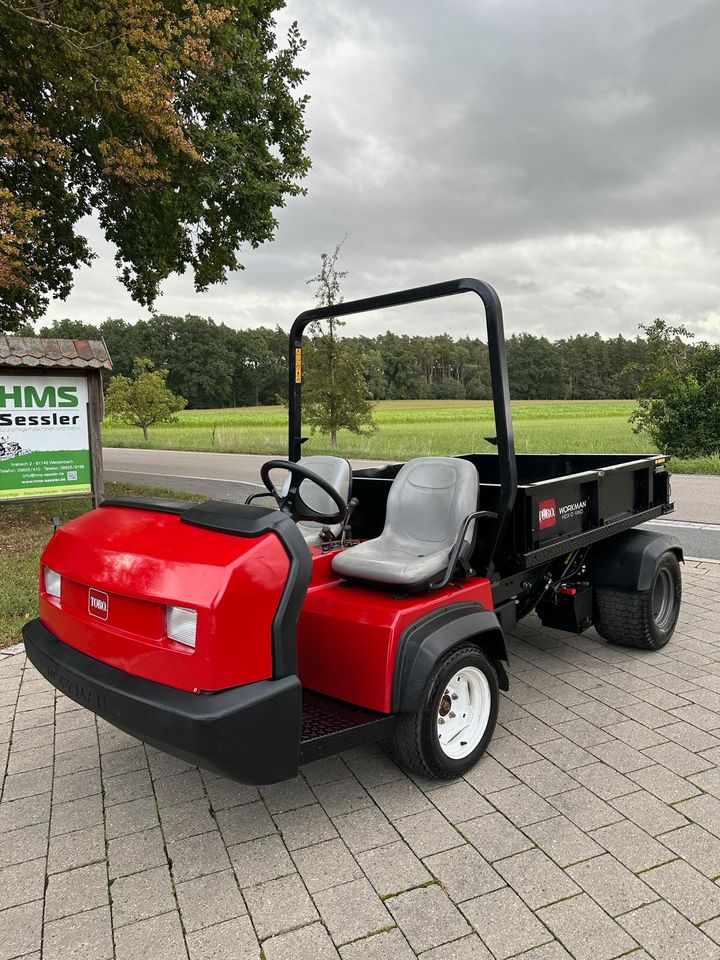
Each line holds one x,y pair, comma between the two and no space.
179,123
679,394
335,395
535,368
143,399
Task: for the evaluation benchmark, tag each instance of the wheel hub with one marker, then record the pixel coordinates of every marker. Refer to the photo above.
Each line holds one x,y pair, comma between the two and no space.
463,712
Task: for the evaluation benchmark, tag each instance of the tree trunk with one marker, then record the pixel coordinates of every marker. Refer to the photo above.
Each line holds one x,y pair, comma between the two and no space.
145,432
333,439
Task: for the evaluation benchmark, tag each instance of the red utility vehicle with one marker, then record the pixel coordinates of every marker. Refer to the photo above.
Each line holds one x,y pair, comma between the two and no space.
250,640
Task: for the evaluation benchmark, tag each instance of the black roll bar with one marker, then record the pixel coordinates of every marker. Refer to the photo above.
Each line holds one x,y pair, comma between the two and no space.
498,373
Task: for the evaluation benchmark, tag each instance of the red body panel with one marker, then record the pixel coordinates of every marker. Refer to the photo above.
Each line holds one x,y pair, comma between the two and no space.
144,561
348,635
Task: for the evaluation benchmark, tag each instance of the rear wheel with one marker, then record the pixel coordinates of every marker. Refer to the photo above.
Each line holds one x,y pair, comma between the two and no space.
455,720
645,619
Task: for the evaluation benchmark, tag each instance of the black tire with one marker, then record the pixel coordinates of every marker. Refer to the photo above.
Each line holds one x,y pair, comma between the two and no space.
644,619
415,742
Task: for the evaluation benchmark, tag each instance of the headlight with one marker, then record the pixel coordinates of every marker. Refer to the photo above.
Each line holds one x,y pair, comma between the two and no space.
182,625
53,582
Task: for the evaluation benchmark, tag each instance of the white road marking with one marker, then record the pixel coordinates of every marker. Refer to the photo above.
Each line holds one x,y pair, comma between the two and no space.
179,476
685,524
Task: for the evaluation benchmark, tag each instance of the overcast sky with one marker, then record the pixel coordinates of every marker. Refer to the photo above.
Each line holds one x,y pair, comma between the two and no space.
567,151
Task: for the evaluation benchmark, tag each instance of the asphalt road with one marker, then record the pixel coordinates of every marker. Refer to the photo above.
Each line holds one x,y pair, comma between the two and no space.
233,476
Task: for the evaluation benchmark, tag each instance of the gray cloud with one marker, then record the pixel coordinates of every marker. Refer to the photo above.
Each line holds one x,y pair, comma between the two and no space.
567,151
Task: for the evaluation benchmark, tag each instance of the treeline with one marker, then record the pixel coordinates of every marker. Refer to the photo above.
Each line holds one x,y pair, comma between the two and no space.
213,365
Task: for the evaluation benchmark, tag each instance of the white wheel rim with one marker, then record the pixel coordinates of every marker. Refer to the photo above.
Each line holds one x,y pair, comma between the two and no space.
463,712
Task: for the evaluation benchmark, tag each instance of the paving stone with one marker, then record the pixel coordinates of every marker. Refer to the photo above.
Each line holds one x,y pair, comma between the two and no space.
27,843
248,822
179,788
304,826
678,759
633,847
562,841
468,948
489,776
21,761
585,930
352,910
428,832
135,852
698,847
142,895
81,936
280,905
586,811
504,923
16,814
620,756
20,930
459,801
554,951
393,868
544,778
582,733
463,873
664,784
224,793
704,810
211,899
325,770
342,796
564,754
649,813
512,752
288,795
124,761
696,897
611,885
310,942
326,864
667,935
427,917
635,734
128,786
184,820
67,851
494,836
388,945
17,786
603,781
76,890
401,798
365,829
160,938
259,860
688,736
164,765
135,816
536,878
521,805
197,856
22,883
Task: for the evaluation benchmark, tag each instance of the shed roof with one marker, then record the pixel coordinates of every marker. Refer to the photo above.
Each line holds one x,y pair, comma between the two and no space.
48,352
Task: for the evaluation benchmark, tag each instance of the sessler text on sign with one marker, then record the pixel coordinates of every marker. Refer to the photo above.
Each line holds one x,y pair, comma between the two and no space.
44,435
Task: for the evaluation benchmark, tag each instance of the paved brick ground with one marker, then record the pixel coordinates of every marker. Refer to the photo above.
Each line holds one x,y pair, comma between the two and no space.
591,830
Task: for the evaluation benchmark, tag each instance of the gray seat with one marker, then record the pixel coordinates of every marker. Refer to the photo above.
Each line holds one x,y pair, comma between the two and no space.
428,502
338,473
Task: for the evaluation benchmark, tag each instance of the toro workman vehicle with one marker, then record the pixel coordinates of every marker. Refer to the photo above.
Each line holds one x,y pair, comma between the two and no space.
364,605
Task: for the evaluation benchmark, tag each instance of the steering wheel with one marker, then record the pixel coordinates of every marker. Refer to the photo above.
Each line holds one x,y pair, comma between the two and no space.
292,502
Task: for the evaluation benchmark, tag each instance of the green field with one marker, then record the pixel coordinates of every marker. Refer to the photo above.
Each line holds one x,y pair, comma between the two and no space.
411,428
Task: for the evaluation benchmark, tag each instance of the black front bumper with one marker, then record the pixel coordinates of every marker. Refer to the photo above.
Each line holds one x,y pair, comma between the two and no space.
249,733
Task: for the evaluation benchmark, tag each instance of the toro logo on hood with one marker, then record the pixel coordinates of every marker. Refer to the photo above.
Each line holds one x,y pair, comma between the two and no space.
547,513
98,603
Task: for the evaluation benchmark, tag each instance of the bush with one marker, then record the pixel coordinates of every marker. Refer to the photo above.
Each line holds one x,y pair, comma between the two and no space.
679,394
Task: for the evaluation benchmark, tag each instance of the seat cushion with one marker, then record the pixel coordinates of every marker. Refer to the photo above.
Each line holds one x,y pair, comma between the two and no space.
428,503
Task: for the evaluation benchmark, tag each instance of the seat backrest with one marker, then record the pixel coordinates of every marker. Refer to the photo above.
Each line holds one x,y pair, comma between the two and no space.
428,502
338,473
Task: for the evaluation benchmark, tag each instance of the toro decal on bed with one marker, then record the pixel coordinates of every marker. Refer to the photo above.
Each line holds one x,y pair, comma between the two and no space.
98,603
547,513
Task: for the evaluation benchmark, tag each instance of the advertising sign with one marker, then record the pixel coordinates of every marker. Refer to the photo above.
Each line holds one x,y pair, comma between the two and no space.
44,438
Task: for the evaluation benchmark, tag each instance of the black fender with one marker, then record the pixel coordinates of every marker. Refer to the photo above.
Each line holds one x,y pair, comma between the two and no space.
627,561
427,640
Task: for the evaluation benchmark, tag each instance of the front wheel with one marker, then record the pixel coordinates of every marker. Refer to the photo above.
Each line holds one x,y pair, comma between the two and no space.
455,719
644,619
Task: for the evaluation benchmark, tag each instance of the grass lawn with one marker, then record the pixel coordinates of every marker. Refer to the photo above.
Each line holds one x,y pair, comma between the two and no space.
25,529
412,428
